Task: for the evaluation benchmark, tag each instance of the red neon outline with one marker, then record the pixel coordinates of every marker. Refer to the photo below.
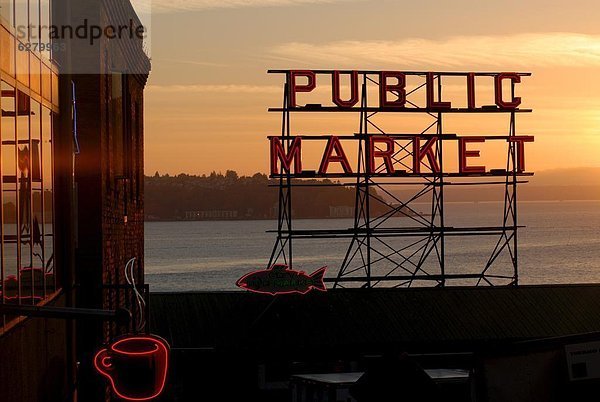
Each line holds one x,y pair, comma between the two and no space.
397,89
432,104
335,90
464,153
334,144
516,100
420,152
471,91
101,365
288,292
294,155
386,155
294,88
521,140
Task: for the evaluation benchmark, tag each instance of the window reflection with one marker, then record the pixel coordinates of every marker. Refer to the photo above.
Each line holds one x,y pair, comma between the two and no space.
45,24
23,66
21,15
10,285
7,53
6,11
27,198
46,82
48,199
34,21
35,74
26,161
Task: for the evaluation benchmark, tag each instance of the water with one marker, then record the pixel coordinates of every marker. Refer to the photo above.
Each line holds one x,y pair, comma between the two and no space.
561,244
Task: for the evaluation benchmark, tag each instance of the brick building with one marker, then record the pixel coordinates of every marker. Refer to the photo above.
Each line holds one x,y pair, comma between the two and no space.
72,192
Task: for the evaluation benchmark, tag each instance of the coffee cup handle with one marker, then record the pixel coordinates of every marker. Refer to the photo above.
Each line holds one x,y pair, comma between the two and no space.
102,362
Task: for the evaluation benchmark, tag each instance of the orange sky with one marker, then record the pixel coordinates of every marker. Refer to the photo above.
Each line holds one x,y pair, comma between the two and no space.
207,99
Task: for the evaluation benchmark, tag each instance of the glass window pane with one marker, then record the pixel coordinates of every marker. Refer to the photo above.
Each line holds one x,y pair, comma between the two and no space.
23,107
7,53
45,24
23,112
9,166
54,89
21,12
50,278
47,166
6,11
23,66
35,74
48,227
34,21
46,83
11,283
38,264
10,286
36,144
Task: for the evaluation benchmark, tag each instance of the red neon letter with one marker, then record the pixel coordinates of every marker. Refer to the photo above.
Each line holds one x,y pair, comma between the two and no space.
353,90
293,87
471,90
397,89
427,150
431,103
377,153
463,154
521,140
516,101
334,145
294,154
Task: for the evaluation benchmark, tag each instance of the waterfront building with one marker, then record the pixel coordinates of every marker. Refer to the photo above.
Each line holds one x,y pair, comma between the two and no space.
72,190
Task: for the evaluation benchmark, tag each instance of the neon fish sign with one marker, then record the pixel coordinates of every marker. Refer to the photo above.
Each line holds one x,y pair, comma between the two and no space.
280,279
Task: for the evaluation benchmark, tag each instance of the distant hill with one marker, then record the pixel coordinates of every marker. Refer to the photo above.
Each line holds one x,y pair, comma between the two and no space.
549,185
229,196
567,177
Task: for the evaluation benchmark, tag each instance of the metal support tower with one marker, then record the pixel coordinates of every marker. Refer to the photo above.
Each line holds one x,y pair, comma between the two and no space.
381,251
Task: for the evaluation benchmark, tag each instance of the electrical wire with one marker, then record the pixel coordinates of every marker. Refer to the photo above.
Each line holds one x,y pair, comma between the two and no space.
130,278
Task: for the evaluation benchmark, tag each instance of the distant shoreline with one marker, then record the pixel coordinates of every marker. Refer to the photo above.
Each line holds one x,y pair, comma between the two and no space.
350,217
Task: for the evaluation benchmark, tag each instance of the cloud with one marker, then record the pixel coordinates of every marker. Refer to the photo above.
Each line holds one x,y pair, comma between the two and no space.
524,50
166,6
192,62
247,89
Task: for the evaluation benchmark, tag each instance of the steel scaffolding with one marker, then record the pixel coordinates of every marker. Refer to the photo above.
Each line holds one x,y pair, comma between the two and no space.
382,252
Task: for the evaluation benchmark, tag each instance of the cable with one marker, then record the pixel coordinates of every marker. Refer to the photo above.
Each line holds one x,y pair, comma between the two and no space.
130,278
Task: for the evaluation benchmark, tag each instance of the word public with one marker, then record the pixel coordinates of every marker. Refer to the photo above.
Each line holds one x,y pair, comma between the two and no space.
393,91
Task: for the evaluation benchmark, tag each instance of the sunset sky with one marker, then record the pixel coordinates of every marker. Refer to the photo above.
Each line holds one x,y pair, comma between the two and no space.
208,94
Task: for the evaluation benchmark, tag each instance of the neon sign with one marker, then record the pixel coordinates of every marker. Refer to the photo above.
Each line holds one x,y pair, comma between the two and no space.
393,155
392,88
280,279
135,365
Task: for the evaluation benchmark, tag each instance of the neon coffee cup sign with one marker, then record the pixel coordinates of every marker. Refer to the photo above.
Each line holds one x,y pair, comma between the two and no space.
136,366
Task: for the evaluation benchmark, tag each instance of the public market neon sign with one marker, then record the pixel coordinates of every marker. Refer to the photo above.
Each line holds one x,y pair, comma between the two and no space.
381,150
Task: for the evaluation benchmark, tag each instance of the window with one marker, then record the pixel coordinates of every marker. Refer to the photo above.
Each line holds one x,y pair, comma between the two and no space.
27,267
22,16
45,21
34,21
27,273
7,52
6,12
